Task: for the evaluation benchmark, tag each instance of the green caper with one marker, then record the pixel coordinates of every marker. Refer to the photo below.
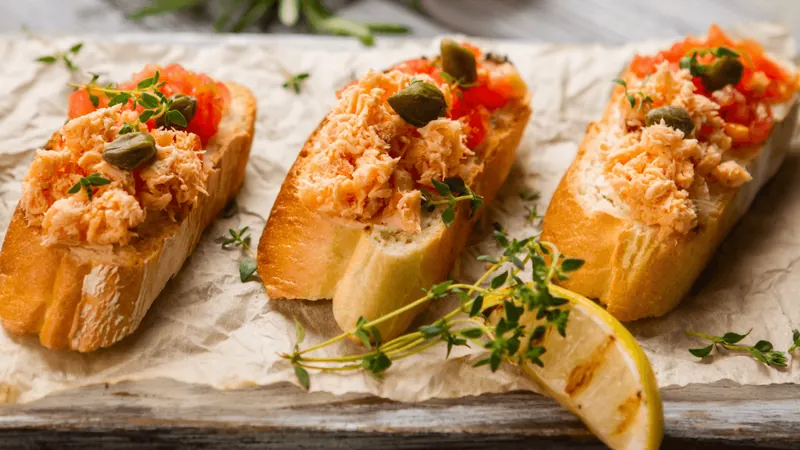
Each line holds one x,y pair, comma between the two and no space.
458,61
419,103
722,72
130,150
673,117
185,104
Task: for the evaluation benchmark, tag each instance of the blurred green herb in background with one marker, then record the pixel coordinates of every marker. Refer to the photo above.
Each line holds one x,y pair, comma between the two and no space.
237,15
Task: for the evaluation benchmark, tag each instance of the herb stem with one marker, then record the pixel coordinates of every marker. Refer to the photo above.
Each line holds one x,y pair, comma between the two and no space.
331,369
700,335
448,201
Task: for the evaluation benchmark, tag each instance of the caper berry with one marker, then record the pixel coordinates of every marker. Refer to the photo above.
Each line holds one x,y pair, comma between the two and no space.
673,117
185,104
458,61
130,150
419,103
496,58
722,72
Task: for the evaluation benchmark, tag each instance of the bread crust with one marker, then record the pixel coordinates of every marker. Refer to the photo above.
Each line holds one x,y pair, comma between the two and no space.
636,270
302,255
87,297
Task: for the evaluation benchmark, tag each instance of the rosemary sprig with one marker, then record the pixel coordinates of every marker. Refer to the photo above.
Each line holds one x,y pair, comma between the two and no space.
241,239
146,94
499,287
632,97
762,350
453,190
87,182
65,56
239,15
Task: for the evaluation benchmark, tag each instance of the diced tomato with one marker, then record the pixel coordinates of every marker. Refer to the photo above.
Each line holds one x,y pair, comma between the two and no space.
415,66
81,104
212,97
751,90
475,50
478,122
717,38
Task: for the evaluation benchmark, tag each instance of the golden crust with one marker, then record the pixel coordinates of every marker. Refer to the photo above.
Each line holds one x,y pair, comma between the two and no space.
84,298
304,256
637,270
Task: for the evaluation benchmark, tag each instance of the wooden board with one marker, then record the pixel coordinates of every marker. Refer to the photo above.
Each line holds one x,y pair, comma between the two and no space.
167,414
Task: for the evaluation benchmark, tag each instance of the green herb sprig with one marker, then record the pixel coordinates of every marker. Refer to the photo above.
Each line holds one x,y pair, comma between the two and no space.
241,239
499,287
64,56
689,61
632,97
453,190
533,211
87,182
238,15
456,83
762,350
795,341
146,94
295,82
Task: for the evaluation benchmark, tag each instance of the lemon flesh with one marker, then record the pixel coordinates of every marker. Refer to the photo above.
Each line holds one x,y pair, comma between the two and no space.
600,373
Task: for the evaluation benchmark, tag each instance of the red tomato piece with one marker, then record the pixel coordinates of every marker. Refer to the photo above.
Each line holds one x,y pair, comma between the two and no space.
80,104
212,97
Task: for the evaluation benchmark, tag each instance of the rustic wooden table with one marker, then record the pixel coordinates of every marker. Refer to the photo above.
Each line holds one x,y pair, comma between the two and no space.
165,414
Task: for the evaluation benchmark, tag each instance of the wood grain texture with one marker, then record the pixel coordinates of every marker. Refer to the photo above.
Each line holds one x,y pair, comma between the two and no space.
167,414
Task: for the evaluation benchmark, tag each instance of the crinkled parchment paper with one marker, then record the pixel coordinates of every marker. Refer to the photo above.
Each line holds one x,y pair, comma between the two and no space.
208,327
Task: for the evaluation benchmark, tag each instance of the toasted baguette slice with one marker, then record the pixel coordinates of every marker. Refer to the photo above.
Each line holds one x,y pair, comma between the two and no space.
634,269
88,297
370,271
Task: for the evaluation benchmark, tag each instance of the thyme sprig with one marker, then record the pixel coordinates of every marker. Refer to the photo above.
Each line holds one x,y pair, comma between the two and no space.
499,289
453,190
65,56
762,350
241,239
533,211
456,82
146,94
87,182
294,82
632,97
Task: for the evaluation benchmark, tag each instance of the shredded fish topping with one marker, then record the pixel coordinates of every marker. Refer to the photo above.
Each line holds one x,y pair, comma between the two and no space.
171,183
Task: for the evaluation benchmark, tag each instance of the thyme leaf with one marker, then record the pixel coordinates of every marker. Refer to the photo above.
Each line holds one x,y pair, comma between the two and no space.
87,182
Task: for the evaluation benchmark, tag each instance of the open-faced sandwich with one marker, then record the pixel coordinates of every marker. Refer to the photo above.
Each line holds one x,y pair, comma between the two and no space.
689,137
117,200
383,195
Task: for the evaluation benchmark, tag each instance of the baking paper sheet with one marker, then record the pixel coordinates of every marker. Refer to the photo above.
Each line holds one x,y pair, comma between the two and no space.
208,327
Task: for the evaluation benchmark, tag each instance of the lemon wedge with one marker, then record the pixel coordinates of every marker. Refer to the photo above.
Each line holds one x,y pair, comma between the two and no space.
600,373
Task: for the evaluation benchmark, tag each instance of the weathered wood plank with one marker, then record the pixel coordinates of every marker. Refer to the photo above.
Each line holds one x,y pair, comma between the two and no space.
165,414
